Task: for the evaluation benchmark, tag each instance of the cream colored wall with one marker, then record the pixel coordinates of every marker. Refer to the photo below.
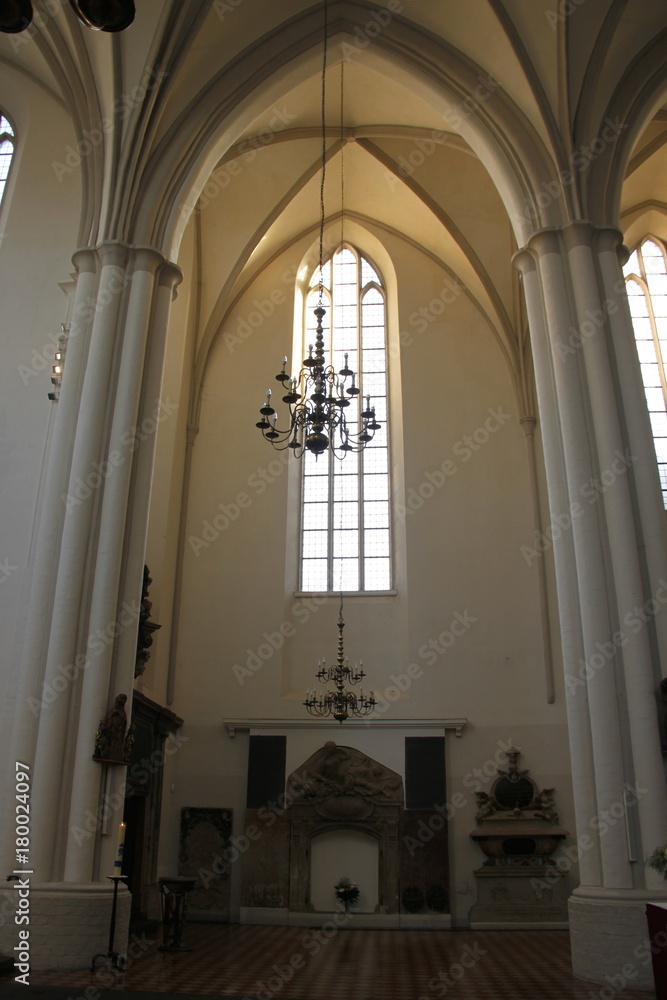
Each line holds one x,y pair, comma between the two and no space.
167,491
35,258
461,564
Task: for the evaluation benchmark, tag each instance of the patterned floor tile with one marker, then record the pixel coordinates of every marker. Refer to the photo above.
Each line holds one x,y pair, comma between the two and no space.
297,963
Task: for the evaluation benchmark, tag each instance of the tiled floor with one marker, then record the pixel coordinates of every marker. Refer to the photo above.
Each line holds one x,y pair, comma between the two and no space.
331,964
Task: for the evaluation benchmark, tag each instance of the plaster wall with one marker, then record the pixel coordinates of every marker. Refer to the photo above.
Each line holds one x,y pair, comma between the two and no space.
249,642
35,270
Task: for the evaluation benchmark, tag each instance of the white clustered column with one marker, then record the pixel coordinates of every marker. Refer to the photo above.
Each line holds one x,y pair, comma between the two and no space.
86,590
604,502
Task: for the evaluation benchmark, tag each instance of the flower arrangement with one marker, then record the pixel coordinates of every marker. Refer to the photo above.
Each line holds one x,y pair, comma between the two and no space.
658,860
347,891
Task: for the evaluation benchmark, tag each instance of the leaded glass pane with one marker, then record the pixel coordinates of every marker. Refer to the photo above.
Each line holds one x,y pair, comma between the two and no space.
346,574
377,574
335,508
315,515
375,460
315,544
6,151
375,487
368,273
314,574
650,326
346,544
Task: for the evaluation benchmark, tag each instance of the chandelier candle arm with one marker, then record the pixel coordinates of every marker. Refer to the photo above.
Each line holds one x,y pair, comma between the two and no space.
316,400
340,703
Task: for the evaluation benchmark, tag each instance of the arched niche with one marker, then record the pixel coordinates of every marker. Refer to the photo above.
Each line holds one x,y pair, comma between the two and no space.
344,853
344,794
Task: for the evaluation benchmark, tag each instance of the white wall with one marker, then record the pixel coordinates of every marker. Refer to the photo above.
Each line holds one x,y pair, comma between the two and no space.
461,564
38,226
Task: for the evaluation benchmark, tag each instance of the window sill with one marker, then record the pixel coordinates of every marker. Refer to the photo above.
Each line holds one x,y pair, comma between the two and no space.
335,594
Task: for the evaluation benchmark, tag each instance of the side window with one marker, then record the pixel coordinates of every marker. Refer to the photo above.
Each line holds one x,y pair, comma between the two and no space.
345,515
646,283
6,152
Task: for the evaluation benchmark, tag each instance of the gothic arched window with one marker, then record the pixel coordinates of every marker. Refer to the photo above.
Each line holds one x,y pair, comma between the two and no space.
345,513
6,151
646,283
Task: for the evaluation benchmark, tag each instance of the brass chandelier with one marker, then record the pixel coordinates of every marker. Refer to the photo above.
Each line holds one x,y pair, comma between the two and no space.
340,703
319,395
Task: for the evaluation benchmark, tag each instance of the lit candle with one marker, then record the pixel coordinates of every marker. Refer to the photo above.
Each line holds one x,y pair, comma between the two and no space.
120,847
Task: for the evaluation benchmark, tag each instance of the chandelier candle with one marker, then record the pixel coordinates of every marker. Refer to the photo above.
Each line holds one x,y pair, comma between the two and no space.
340,703
317,399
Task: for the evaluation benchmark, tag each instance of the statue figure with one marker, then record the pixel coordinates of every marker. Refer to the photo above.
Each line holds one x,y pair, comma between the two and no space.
546,806
112,739
512,773
486,805
146,627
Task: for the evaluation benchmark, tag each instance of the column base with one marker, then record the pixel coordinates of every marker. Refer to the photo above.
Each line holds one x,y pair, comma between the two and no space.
609,936
69,924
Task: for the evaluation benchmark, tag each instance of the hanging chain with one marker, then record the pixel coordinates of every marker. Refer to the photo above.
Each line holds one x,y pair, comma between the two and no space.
342,150
324,148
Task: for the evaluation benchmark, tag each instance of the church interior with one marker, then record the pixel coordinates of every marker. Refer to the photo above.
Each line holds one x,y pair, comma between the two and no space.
474,197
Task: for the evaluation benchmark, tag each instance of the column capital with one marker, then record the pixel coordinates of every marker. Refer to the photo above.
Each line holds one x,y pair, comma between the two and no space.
579,233
142,258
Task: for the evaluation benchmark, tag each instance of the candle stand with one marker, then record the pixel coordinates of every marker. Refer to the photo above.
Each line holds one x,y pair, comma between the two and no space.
115,960
173,892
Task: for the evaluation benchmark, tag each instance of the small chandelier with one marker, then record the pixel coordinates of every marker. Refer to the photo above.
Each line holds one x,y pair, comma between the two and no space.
318,396
340,703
